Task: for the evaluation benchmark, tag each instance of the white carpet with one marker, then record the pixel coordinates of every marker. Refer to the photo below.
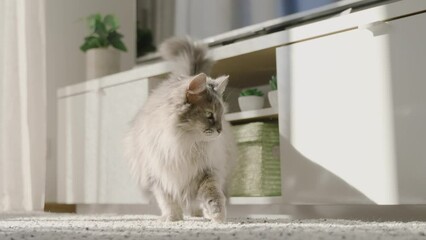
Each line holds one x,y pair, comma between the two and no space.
70,226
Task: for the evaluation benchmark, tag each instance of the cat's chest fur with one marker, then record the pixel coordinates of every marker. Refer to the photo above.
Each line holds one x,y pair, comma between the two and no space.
180,164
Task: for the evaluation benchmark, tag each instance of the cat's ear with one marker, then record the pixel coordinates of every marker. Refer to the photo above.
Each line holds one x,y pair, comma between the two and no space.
196,87
221,82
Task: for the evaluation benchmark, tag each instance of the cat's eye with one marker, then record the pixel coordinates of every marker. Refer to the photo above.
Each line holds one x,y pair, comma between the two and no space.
209,114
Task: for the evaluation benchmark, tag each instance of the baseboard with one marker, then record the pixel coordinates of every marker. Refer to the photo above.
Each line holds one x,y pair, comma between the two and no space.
60,208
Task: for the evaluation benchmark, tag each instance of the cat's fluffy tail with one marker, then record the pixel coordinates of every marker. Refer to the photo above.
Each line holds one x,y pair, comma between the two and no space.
187,56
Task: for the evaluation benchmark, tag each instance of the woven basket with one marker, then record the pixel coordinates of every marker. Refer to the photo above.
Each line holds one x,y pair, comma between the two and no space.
258,169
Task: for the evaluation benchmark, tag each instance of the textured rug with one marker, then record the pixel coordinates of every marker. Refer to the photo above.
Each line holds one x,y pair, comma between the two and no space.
71,226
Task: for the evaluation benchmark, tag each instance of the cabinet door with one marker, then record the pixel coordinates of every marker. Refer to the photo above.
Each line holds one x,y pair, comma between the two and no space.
77,148
352,116
119,105
91,126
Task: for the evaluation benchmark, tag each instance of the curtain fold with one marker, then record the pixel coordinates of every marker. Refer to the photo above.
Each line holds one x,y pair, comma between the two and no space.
22,105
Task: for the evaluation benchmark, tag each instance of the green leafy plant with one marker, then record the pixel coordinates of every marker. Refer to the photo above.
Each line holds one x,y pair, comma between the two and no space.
144,42
273,82
251,92
103,33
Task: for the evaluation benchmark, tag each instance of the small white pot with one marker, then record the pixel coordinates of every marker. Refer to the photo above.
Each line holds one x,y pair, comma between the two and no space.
273,99
101,62
247,103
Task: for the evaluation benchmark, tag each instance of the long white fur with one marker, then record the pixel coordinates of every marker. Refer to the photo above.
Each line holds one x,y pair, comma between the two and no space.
161,155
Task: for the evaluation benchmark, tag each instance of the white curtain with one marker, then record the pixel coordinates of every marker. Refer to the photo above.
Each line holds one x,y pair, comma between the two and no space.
22,105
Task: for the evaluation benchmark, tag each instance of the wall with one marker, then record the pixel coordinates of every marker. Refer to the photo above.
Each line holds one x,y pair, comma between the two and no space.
65,30
193,16
222,15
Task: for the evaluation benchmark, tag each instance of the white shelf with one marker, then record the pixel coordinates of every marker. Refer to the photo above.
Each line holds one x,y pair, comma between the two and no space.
255,200
265,113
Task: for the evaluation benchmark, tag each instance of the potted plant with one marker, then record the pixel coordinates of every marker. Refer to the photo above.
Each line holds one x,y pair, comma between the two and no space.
144,42
250,99
102,45
273,94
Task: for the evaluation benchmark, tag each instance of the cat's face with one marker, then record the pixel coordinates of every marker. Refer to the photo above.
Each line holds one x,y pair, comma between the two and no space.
204,116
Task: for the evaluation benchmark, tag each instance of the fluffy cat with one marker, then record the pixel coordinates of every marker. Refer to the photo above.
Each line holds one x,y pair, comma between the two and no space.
179,145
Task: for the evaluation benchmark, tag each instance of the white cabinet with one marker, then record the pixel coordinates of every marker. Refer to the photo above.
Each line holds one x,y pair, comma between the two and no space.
352,115
92,123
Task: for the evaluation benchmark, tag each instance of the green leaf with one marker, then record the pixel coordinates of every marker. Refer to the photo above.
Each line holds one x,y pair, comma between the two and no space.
114,35
251,92
84,47
93,20
111,23
91,42
273,83
104,42
115,39
101,30
119,45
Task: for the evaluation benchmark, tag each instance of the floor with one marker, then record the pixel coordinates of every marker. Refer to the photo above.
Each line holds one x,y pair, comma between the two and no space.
73,226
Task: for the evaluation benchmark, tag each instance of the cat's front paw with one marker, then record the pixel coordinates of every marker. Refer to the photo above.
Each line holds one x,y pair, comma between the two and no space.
215,210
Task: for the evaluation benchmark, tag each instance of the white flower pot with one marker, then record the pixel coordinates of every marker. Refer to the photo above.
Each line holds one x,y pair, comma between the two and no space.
273,99
250,102
101,62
